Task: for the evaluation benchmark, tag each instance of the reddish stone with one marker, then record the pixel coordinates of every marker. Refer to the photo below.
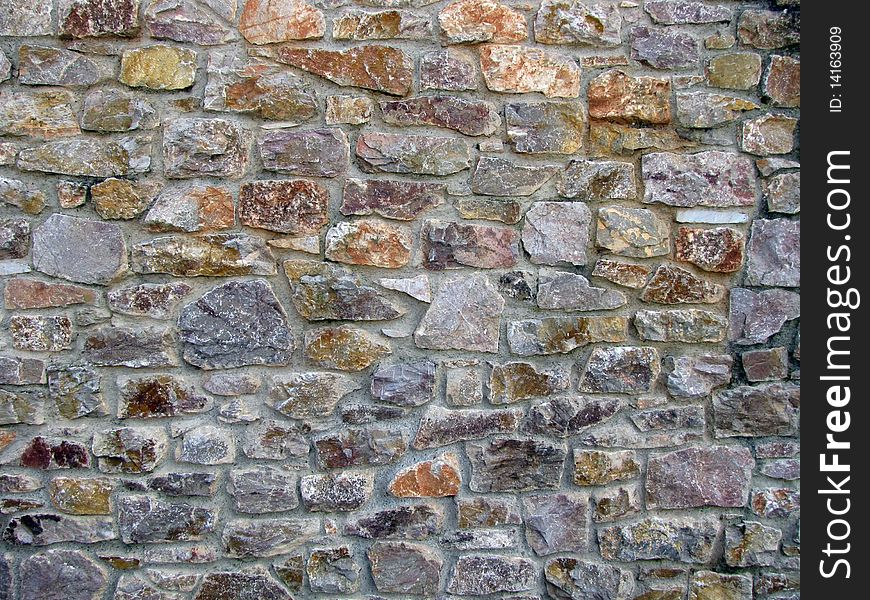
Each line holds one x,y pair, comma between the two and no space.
286,206
41,453
270,21
673,285
198,208
616,96
467,116
720,249
368,242
402,200
31,293
466,21
448,245
436,478
518,70
783,81
97,18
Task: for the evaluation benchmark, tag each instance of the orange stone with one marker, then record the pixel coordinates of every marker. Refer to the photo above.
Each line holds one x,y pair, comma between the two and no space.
429,479
619,97
519,70
270,21
482,21
32,293
367,242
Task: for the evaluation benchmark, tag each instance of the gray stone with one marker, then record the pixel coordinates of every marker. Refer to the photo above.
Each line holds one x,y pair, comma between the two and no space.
235,324
750,544
452,245
254,583
88,157
494,176
573,579
481,575
578,23
360,447
413,522
26,18
207,445
696,376
130,449
663,49
443,427
185,21
783,193
769,30
679,12
313,153
123,347
545,127
184,484
309,395
514,465
556,523
417,287
706,110
46,65
591,180
246,538
155,300
518,285
758,410
76,391
423,155
404,384
259,490
344,491
693,477
275,440
403,568
5,67
333,570
113,110
194,147
684,539
774,253
556,232
17,483
559,335
613,504
756,316
464,315
61,575
14,238
80,250
564,290
467,116
622,370
231,384
768,134
192,208
145,519
692,326
711,178
564,417
480,539
635,232
27,408
45,529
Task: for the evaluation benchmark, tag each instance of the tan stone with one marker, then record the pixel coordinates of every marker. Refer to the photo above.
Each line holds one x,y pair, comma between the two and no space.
43,114
122,198
82,496
518,70
158,67
436,478
734,71
270,21
368,242
616,96
344,348
782,84
466,21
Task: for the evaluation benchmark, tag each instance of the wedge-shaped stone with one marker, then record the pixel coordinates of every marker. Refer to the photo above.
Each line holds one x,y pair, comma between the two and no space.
464,315
711,178
309,395
402,200
344,348
608,139
451,245
194,147
519,70
673,285
235,324
517,381
267,537
500,177
369,242
294,206
314,152
559,335
693,477
556,232
88,157
514,465
469,117
379,68
360,448
578,23
337,492
267,22
158,396
564,290
420,154
617,96
443,427
622,370
404,384
210,255
130,449
690,326
481,575
759,410
146,519
782,82
322,291
681,539
404,568
111,346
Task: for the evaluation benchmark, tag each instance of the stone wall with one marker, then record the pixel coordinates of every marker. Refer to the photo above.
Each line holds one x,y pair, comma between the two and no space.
399,298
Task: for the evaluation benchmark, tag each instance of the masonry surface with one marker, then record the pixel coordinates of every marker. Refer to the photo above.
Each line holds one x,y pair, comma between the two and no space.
399,299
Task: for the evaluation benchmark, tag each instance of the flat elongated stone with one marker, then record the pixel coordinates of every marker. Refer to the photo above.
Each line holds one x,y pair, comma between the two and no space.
578,23
98,18
255,582
45,65
264,538
673,285
769,29
447,70
470,21
705,110
404,384
315,152
113,110
481,575
557,232
414,521
267,22
184,484
402,200
485,511
323,291
621,273
145,519
565,417
423,155
124,347
708,584
710,178
27,18
368,242
759,410
59,574
46,529
519,70
294,206
235,324
42,114
678,12
453,245
499,177
514,465
689,326
663,48
130,449
719,249
382,25
782,83
517,381
552,335
769,134
623,370
443,427
154,300
755,316
564,290
709,476
635,232
734,71
774,253
545,127
504,211
610,139
185,21
41,334
405,568
309,395
88,157
158,396
464,315
469,117
344,348
617,96
121,198
379,68
572,578
360,447
158,67
696,376
688,540
437,478
194,147
210,255
344,491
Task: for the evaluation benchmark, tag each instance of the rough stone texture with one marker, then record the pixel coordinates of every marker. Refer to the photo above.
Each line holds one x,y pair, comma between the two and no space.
158,67
711,178
782,83
294,206
266,22
770,134
311,153
480,575
545,127
423,155
514,465
774,253
557,232
465,21
344,348
59,574
559,335
690,326
499,177
402,200
702,110
569,578
469,117
194,147
453,245
210,255
734,71
663,49
635,232
713,476
623,370
518,70
617,96
430,479
369,242
80,250
748,411
578,23
400,567
675,285
688,540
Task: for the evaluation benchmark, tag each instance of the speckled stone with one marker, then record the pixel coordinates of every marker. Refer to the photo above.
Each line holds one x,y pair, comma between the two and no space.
519,70
294,206
774,253
616,96
80,250
578,23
